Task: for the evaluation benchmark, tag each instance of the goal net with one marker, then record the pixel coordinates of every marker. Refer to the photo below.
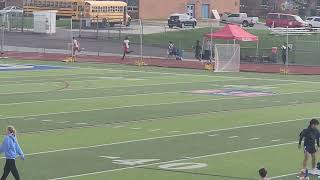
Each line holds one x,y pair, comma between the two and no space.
227,58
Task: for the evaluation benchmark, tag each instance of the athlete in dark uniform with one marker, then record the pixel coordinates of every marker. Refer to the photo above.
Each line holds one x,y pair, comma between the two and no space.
310,136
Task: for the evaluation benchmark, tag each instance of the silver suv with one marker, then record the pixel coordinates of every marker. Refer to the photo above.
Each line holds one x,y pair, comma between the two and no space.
181,20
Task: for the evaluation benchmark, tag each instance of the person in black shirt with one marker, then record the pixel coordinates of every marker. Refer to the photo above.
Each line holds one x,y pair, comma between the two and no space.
310,136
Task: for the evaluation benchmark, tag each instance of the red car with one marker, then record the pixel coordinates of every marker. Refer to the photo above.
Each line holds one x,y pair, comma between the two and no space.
284,20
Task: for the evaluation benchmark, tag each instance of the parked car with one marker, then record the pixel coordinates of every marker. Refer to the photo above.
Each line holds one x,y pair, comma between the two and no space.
11,9
284,20
240,18
181,20
313,22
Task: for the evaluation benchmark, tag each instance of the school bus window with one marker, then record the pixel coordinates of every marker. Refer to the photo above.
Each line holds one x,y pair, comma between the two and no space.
68,5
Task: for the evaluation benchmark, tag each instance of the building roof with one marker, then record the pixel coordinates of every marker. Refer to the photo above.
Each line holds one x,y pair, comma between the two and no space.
106,3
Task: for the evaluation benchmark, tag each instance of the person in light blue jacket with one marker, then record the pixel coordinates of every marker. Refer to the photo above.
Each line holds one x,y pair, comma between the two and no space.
11,149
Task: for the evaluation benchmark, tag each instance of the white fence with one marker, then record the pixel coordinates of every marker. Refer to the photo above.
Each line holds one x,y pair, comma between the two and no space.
294,31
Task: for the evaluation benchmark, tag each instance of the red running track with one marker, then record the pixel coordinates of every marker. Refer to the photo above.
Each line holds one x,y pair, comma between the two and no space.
162,62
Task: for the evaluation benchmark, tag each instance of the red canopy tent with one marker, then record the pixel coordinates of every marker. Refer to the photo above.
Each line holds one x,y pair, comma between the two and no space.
232,32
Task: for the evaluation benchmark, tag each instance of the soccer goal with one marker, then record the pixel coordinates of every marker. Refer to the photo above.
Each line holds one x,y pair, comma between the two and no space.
227,58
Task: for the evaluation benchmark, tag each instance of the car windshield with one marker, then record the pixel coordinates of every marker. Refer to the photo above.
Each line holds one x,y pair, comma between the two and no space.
309,19
298,18
174,17
7,8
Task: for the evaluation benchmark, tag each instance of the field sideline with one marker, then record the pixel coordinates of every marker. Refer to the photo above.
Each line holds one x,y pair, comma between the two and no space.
103,121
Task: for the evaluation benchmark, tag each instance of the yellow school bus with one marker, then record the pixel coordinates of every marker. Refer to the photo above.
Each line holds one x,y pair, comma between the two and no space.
111,12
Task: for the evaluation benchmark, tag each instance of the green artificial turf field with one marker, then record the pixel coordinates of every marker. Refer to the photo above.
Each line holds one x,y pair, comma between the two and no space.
115,122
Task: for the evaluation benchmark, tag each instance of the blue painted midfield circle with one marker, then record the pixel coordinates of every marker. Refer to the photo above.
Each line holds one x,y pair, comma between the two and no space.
27,67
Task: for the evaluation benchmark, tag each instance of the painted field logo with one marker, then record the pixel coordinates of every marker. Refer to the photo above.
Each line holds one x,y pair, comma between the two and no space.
233,92
27,67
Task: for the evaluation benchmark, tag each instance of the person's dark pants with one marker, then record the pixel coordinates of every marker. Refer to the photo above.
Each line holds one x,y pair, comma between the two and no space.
284,59
10,166
125,53
207,55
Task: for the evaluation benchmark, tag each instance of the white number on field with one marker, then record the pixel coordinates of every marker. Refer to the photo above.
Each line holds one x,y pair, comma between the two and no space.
183,166
134,162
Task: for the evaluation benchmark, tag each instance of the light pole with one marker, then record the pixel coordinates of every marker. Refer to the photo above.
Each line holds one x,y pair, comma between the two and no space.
2,42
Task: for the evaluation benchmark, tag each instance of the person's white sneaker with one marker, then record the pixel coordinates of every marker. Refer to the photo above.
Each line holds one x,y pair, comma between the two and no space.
314,171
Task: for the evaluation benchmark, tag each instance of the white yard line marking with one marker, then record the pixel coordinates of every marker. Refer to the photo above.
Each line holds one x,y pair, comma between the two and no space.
136,128
185,157
143,105
28,119
173,161
47,120
89,98
109,157
285,175
84,88
131,106
212,135
118,127
162,137
232,137
159,104
252,139
172,132
63,122
275,140
154,130
81,123
202,75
